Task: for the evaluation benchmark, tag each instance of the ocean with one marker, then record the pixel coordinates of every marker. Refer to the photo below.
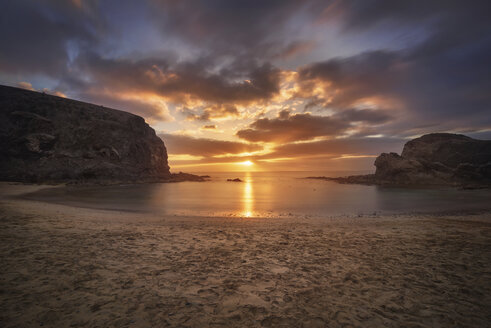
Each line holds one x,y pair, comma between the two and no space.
267,194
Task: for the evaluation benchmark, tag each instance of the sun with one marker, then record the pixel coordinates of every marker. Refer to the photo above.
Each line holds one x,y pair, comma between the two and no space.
246,163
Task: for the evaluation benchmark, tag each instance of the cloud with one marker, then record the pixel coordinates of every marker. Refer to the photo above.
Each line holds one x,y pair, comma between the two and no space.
338,147
319,153
149,106
295,48
396,68
415,85
371,116
438,80
181,144
209,127
133,85
26,85
35,36
292,127
237,28
348,80
182,82
363,14
212,112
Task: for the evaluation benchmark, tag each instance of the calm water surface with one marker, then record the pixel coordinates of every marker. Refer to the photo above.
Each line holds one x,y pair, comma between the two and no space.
267,194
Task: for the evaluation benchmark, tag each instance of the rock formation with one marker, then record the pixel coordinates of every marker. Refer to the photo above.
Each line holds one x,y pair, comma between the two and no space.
433,159
438,158
45,138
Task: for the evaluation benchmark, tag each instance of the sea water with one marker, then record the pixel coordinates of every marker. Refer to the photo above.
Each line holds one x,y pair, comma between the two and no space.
268,194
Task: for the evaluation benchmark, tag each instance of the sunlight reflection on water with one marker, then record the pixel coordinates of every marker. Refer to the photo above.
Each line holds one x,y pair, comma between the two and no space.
248,196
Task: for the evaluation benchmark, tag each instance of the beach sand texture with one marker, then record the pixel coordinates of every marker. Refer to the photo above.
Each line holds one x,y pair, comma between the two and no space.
69,267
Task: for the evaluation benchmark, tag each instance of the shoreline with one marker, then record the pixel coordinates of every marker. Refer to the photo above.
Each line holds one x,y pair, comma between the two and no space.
69,266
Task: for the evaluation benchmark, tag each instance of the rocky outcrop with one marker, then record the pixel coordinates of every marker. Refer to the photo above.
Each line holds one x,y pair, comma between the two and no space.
438,158
45,138
395,169
433,159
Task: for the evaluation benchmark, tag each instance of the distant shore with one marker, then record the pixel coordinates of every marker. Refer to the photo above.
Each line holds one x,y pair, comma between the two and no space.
67,266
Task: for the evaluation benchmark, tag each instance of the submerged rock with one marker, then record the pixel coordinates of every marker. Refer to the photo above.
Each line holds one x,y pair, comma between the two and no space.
44,138
181,176
234,180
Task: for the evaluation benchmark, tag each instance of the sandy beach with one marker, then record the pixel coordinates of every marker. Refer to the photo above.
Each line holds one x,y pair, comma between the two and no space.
64,266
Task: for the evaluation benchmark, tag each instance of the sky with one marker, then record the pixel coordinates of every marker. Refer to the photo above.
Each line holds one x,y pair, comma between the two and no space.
284,85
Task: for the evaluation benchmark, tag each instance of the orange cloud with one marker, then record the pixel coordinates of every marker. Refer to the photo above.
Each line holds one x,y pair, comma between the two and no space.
183,83
181,144
26,85
149,105
212,112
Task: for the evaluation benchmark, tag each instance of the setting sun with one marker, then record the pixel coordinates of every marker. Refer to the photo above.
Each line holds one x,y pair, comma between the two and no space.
246,163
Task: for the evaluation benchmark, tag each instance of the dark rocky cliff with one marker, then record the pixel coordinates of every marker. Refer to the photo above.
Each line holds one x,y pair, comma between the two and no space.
433,159
45,138
437,158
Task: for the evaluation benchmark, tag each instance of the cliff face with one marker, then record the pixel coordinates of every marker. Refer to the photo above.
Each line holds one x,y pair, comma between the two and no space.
433,159
449,149
437,158
45,138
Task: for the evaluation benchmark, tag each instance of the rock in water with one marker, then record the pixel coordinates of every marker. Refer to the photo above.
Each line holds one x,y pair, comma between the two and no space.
45,138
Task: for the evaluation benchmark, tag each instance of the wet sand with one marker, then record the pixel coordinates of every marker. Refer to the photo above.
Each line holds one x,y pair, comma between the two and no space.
64,266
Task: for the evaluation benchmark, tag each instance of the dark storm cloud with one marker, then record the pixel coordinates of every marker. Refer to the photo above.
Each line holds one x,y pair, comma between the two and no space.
365,115
295,48
239,27
435,87
444,79
288,128
34,35
447,14
430,88
180,144
360,14
370,74
62,40
176,81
